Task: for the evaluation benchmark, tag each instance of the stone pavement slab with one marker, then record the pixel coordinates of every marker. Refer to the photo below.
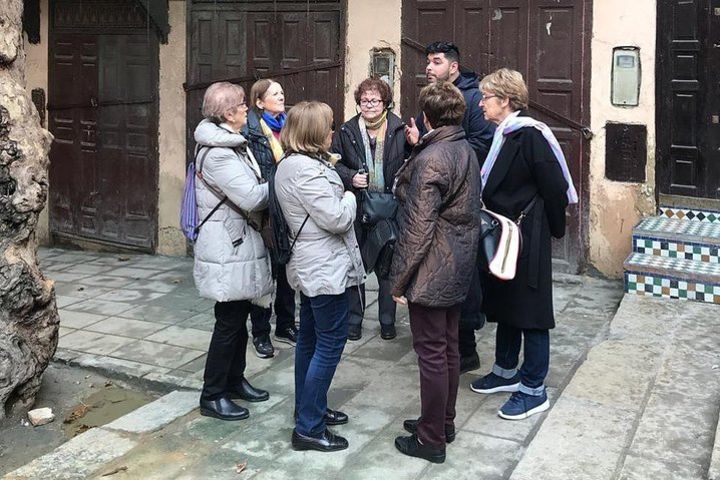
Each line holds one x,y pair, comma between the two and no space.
157,414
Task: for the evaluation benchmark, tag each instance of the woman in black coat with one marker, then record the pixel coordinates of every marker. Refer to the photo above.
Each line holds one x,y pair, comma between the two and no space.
372,147
525,171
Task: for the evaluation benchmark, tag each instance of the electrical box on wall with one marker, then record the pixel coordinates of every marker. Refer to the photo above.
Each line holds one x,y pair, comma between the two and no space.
626,74
383,65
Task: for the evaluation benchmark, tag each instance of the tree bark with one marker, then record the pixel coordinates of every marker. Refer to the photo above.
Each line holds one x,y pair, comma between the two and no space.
28,315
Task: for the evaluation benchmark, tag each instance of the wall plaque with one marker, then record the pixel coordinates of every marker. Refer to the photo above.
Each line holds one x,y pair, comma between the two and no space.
625,152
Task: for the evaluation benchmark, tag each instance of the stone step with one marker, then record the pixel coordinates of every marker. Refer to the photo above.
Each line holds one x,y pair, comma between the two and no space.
660,276
673,238
705,215
622,416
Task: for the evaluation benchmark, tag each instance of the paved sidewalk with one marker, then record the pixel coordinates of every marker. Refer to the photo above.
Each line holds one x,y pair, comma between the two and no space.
139,316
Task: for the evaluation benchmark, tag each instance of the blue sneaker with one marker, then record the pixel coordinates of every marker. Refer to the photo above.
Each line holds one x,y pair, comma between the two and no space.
521,405
492,383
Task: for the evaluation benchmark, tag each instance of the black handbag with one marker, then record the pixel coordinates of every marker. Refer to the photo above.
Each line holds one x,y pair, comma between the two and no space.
379,246
376,206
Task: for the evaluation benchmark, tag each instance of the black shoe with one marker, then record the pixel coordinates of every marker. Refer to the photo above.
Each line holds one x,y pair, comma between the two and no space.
223,408
332,417
354,332
263,346
287,335
247,392
412,447
410,426
470,363
327,442
387,332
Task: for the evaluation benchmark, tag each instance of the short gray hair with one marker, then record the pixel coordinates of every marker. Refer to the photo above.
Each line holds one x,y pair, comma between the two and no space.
221,97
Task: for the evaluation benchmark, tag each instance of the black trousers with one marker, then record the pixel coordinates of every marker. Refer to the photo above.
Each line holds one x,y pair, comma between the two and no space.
471,318
225,365
386,305
284,308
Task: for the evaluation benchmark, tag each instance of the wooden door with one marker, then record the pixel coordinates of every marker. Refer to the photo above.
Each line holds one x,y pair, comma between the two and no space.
546,40
103,111
688,98
296,42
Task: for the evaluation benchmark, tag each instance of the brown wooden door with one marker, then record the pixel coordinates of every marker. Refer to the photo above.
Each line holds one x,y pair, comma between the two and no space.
103,111
688,98
299,43
546,40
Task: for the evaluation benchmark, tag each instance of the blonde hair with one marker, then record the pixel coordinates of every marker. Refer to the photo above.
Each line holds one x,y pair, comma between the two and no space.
506,83
307,127
221,97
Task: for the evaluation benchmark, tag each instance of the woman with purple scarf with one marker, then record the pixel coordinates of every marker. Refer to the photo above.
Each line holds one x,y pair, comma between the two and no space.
525,172
266,119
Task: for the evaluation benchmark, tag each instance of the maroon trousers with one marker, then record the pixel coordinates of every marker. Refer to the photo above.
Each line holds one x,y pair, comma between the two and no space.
435,340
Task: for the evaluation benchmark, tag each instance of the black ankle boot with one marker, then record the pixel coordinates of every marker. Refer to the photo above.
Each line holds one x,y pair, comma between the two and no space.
223,408
247,392
412,447
410,426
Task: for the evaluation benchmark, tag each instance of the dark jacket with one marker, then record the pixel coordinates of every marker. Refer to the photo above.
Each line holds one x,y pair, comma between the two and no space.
438,189
258,143
478,130
348,143
526,166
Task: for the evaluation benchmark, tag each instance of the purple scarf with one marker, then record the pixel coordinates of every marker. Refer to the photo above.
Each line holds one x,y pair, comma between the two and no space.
513,123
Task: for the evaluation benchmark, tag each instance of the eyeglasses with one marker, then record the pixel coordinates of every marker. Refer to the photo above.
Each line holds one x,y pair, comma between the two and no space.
488,97
370,103
242,105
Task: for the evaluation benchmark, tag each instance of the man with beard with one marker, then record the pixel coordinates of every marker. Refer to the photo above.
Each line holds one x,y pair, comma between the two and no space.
443,64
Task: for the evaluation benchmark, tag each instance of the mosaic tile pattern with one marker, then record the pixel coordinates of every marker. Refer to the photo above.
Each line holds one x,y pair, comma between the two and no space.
674,226
689,268
707,216
667,287
676,249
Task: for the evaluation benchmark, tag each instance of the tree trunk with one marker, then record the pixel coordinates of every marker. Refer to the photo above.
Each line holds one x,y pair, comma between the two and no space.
28,316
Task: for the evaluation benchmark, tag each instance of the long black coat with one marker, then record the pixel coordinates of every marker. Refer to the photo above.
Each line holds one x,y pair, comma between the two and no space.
524,167
348,143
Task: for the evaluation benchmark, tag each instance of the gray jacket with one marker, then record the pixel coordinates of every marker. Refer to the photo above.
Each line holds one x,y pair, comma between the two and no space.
326,257
231,261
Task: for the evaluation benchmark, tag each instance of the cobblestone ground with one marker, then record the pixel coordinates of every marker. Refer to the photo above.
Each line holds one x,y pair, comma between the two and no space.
139,316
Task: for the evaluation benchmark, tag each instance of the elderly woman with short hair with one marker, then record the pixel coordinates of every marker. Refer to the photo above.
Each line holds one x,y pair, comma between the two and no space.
525,174
232,265
372,149
324,264
438,188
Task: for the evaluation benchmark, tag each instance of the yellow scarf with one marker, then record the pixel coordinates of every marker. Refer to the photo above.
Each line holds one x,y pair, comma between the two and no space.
274,144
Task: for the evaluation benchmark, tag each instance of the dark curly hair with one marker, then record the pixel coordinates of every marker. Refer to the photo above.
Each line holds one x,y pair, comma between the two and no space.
370,84
443,104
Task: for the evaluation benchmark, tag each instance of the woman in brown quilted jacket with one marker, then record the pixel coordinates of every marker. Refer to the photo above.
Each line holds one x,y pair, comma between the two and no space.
438,189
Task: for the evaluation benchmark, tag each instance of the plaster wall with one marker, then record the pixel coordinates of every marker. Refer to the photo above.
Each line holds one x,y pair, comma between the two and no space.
36,76
370,24
615,207
172,133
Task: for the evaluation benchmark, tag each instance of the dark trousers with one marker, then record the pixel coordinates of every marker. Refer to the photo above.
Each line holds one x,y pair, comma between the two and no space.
386,305
471,318
284,308
435,339
225,364
536,357
321,339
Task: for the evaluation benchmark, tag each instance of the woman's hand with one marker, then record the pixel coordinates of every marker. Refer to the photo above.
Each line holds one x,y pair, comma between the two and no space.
360,180
400,300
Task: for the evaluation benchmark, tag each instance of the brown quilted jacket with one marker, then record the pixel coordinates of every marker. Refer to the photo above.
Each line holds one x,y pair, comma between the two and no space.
438,189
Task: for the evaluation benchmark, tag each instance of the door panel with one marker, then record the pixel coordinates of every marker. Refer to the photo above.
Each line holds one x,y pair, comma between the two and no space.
543,39
688,159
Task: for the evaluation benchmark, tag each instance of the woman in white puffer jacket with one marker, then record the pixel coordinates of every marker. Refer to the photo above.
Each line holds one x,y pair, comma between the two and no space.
232,265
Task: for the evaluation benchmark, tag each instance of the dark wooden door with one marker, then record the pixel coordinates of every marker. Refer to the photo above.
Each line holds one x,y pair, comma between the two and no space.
298,43
103,111
546,40
688,98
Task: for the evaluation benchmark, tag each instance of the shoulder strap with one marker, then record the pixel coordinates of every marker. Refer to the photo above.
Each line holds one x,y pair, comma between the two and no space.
527,209
198,172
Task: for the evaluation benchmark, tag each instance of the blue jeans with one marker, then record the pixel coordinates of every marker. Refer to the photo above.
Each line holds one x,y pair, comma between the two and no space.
536,358
321,339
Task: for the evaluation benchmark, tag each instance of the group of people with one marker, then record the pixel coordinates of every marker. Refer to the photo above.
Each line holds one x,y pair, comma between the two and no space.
472,146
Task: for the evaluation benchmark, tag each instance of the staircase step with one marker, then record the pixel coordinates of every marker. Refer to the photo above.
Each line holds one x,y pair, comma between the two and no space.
691,214
672,278
674,229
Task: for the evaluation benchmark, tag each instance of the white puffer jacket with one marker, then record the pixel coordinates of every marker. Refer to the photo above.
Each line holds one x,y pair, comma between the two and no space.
231,261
